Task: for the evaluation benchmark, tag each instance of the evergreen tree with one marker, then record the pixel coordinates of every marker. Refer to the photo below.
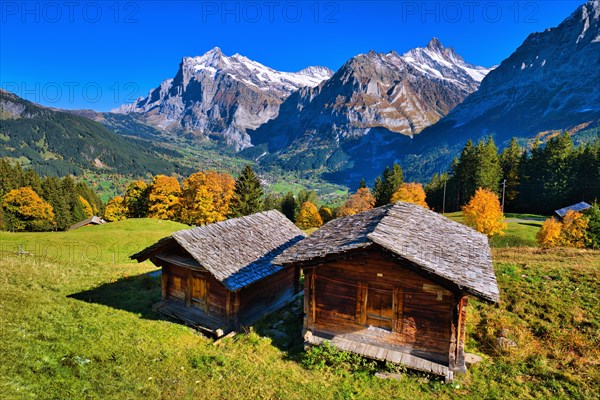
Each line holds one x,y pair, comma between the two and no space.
510,161
362,184
51,192
464,172
288,206
488,172
136,199
247,195
387,185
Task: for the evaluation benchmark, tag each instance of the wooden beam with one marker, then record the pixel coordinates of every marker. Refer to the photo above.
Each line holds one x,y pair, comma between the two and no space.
188,288
398,309
361,304
460,348
164,283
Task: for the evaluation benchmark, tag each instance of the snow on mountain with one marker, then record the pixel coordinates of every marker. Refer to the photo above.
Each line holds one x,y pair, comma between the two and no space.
549,83
219,97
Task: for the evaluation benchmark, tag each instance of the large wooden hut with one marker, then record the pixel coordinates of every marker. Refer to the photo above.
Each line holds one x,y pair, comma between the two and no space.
221,276
392,284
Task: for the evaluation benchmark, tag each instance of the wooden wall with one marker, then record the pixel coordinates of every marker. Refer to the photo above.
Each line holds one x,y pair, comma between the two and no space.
373,289
254,299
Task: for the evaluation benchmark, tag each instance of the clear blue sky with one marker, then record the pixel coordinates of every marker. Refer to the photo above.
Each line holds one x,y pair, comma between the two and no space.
100,54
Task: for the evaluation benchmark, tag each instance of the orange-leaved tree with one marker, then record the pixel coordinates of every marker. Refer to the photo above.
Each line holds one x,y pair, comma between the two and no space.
87,208
206,197
410,193
163,198
484,213
308,216
550,233
574,229
25,210
326,214
115,210
360,201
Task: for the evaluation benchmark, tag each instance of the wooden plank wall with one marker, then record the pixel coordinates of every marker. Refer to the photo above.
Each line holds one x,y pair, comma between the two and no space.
260,295
336,301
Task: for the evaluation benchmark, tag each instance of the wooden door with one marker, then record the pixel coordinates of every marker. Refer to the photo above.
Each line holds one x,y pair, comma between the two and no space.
199,292
176,283
380,307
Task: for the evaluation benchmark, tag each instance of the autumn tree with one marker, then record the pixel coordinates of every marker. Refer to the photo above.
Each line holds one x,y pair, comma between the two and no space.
87,208
115,210
484,213
163,198
549,234
410,193
308,216
247,194
25,210
136,199
574,229
360,201
206,197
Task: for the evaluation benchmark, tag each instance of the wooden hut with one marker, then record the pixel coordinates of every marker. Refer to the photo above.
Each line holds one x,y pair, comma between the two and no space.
94,220
221,276
579,207
392,284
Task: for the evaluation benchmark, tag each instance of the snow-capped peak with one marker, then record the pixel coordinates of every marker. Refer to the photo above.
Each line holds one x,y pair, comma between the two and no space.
440,62
253,73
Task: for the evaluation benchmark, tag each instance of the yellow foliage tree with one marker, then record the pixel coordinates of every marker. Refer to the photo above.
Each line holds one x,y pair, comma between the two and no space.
308,216
115,210
87,208
484,213
550,233
574,230
410,193
163,198
206,197
360,201
25,210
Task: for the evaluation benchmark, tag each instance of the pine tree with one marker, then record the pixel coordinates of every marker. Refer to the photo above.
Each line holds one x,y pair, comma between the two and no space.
387,185
51,192
247,195
362,184
136,199
488,172
510,162
288,206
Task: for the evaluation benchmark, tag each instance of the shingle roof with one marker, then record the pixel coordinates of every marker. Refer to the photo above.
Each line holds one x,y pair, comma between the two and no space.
575,207
237,252
94,220
426,239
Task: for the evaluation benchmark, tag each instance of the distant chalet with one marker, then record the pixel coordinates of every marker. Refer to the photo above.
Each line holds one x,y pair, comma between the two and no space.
392,284
222,276
579,207
87,222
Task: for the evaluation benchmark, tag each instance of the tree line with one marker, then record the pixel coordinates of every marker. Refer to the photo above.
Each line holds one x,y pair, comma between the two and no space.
539,179
32,203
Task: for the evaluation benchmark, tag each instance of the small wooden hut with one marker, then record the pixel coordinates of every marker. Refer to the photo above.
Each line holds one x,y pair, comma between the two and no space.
94,220
221,276
392,284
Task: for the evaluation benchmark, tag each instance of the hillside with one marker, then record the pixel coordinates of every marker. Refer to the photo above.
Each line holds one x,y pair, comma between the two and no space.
79,325
59,143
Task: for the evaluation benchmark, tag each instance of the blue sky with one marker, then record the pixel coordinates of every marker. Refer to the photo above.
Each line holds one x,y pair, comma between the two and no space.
100,54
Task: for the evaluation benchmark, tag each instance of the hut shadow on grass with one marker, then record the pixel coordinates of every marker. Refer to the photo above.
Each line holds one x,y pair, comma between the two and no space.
135,294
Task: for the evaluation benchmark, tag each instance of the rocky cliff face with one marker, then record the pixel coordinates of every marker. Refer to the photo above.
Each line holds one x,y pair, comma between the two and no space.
549,83
220,97
373,100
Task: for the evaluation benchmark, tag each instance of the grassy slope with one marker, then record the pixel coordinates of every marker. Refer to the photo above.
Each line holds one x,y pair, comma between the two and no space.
76,327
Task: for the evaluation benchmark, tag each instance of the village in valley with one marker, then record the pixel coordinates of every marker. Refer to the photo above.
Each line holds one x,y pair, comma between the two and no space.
355,240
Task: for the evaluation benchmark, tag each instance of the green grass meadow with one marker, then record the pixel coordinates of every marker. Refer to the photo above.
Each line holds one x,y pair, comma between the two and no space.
77,323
